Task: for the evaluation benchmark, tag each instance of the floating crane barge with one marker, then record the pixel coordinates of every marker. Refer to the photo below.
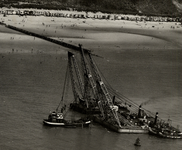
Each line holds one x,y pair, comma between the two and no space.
90,93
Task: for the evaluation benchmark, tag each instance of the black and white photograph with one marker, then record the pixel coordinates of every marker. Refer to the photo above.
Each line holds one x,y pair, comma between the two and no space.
91,75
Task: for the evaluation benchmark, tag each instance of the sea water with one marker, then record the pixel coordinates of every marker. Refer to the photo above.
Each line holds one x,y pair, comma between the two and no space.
31,86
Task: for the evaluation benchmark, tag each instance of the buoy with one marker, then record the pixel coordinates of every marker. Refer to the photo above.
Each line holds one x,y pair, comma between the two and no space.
137,142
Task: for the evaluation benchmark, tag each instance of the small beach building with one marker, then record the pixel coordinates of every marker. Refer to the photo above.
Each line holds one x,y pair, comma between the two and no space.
21,12
9,12
31,12
1,11
26,12
90,15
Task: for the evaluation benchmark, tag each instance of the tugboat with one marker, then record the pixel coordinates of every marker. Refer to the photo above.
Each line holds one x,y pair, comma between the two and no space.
137,142
164,130
56,119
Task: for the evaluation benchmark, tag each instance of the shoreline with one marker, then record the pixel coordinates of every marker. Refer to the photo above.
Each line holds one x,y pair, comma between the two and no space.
100,34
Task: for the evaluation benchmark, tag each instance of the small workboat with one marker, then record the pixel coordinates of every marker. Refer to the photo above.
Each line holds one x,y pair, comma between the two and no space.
57,119
137,142
164,130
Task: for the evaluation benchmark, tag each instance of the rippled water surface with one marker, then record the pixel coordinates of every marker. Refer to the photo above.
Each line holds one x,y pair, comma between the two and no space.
31,86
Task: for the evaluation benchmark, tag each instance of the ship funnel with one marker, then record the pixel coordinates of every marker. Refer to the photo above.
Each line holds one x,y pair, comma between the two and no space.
113,100
139,112
156,116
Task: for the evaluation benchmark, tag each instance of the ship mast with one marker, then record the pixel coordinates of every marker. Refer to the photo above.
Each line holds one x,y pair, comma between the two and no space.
89,83
73,82
105,101
73,62
93,87
101,94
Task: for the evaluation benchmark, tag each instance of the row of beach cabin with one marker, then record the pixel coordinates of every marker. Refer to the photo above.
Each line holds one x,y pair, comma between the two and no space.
89,15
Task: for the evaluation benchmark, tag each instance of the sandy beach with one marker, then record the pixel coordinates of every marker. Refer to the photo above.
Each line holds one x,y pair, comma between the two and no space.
97,34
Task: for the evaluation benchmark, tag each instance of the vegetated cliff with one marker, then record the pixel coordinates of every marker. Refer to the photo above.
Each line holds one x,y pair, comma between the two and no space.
146,7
